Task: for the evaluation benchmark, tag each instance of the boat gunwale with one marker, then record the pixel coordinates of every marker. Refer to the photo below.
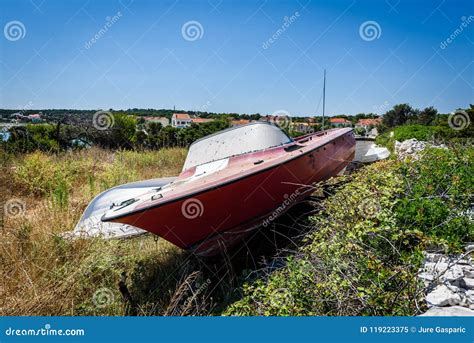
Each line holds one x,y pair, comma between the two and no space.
215,187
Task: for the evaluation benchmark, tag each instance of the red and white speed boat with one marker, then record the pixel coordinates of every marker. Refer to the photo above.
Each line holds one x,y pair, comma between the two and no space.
233,182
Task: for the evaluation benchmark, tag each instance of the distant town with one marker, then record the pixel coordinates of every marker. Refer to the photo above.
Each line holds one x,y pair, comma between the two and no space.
183,119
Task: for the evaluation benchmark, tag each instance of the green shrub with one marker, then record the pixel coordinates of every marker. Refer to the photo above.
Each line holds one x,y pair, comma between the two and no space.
439,188
40,174
33,137
441,133
401,133
419,132
366,247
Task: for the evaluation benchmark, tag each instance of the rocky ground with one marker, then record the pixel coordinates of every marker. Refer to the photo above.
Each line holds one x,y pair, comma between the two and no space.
411,147
449,282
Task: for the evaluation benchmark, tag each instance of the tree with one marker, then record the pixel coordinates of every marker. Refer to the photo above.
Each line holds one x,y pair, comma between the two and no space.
153,128
119,131
400,114
427,116
33,137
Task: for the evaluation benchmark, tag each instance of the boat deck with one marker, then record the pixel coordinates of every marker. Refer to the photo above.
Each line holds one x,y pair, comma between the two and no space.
214,174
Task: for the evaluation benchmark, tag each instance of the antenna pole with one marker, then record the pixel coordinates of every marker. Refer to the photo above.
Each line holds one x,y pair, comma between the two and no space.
324,98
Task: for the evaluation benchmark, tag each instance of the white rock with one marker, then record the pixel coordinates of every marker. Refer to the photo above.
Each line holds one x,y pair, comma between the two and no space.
470,247
469,273
454,273
463,262
437,268
431,257
456,311
454,288
411,147
443,296
469,282
426,276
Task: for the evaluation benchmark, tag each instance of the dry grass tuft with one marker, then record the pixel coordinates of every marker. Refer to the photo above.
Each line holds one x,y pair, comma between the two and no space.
43,274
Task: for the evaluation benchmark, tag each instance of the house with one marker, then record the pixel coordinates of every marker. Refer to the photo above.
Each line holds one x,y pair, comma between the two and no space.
339,122
35,118
181,120
201,120
162,120
268,118
239,122
369,125
302,127
19,117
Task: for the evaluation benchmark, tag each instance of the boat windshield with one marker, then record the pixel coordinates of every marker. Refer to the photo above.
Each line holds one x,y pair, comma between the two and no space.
235,141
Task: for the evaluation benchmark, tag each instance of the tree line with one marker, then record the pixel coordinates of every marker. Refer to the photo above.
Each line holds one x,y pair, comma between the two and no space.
124,130
112,131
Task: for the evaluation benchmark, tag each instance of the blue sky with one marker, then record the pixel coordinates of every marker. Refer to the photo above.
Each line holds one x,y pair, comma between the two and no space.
144,60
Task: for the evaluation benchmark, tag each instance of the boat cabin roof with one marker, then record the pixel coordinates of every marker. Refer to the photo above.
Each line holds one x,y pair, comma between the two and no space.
235,141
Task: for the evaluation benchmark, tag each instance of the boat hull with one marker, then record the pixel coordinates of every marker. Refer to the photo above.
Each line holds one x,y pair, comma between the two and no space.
212,220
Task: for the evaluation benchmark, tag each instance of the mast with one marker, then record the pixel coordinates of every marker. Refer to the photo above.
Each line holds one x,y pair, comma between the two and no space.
324,98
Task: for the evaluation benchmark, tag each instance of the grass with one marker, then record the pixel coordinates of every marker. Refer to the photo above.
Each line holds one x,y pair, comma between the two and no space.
360,256
43,274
